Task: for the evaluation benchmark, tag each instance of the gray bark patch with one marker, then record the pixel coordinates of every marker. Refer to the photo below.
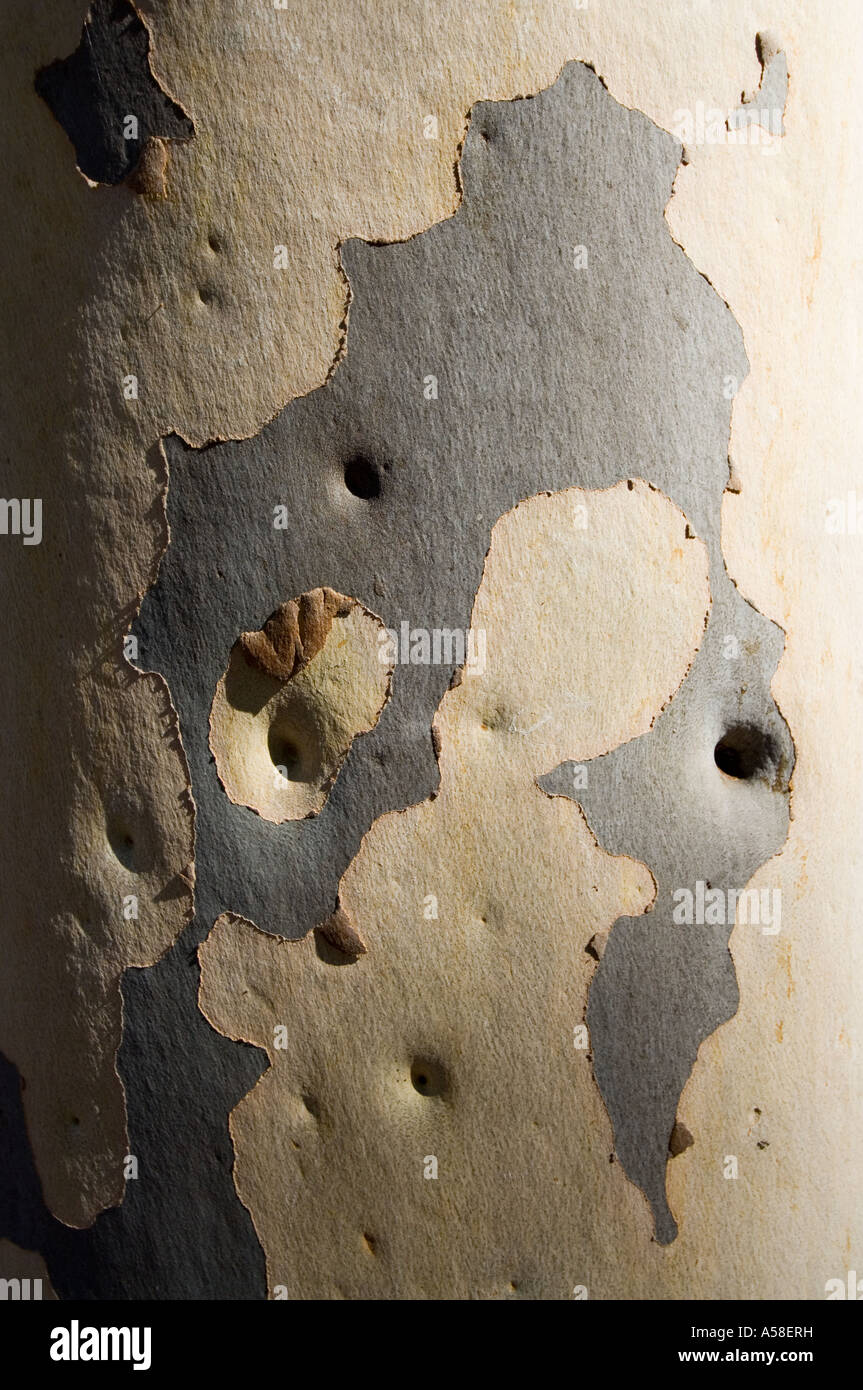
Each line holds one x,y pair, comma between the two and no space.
107,80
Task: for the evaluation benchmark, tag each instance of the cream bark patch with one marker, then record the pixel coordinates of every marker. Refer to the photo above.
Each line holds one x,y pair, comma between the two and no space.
778,1087
430,1126
292,700
128,851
